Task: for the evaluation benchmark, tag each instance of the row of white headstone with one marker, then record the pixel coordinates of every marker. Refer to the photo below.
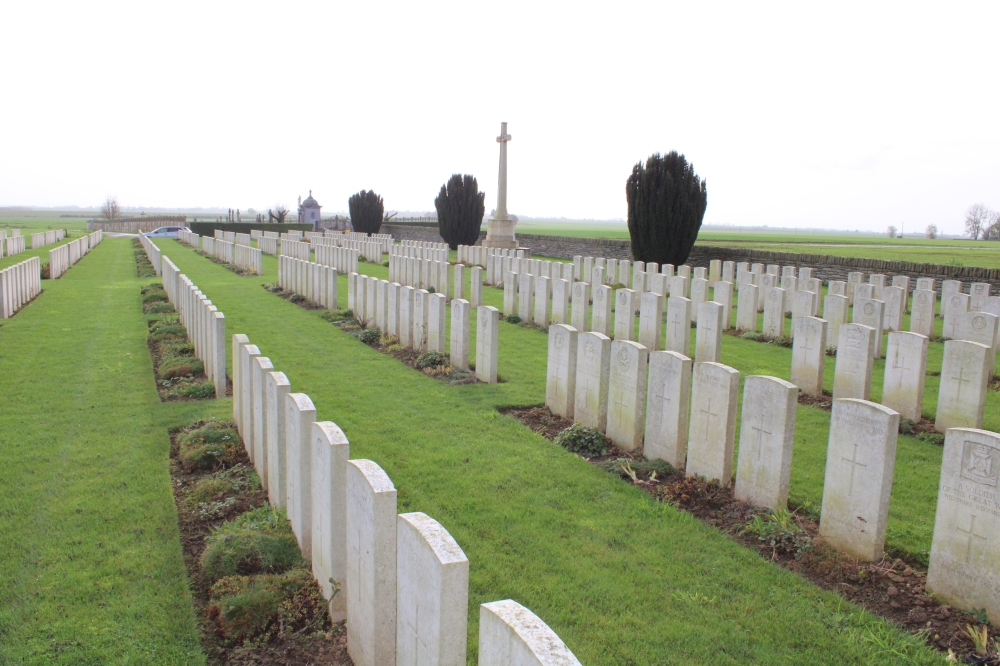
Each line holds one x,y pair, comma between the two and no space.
64,256
384,241
5,233
296,249
206,326
685,413
433,253
12,245
400,581
242,239
344,259
248,258
318,283
477,255
268,245
417,318
43,238
18,285
421,273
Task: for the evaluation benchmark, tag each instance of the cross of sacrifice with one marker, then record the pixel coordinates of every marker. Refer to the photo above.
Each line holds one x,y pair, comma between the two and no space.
853,461
970,534
960,380
759,429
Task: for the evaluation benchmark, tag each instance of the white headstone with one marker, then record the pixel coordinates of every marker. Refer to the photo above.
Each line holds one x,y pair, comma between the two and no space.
487,343
560,301
626,301
852,376
432,593
459,351
767,432
723,295
895,306
860,459
809,355
964,566
511,635
922,314
601,313
651,320
560,386
905,371
668,407
678,325
277,387
581,301
962,390
627,394
708,335
746,309
714,394
593,355
260,367
330,453
774,313
300,413
371,564
835,314
868,312
954,315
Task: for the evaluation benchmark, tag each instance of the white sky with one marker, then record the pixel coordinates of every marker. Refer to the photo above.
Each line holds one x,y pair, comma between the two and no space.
841,115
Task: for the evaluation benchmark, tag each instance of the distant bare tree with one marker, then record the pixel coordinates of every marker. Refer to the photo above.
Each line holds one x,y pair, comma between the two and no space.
931,231
992,231
891,230
277,214
976,220
111,210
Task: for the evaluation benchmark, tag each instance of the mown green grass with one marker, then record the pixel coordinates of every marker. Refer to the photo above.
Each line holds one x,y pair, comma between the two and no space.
93,572
622,579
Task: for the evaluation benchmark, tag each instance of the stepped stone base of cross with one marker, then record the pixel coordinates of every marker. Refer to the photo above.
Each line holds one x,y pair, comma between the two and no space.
500,234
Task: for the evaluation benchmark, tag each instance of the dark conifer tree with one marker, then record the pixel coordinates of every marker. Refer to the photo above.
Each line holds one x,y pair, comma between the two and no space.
366,210
666,204
460,208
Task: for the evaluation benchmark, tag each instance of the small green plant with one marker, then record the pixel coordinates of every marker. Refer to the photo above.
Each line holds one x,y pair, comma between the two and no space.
196,390
584,440
393,348
152,286
752,336
370,336
225,482
296,298
649,470
265,606
831,351
181,366
431,290
906,427
241,548
155,297
779,531
512,319
934,438
431,359
209,446
168,330
783,341
272,287
159,308
980,638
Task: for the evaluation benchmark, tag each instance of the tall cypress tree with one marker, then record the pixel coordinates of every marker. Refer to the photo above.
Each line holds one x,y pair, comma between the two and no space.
460,208
666,205
366,210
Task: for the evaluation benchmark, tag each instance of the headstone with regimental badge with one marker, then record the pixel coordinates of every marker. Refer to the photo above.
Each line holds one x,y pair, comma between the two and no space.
627,394
590,400
560,386
922,312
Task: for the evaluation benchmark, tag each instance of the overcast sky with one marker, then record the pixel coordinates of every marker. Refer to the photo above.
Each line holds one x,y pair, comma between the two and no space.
841,115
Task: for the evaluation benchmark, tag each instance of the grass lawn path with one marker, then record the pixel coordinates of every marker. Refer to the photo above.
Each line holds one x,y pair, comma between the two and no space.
92,565
621,578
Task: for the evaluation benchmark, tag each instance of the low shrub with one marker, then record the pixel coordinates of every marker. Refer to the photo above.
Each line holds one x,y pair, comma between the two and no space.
225,482
935,438
196,390
180,366
395,347
158,308
370,336
210,446
783,341
272,287
152,286
333,316
155,297
906,427
778,530
242,552
46,273
166,331
584,440
170,349
512,319
264,606
752,336
431,359
296,298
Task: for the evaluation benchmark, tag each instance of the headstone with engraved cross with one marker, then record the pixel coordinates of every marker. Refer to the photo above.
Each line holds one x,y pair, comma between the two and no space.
978,293
708,335
699,295
712,429
852,376
581,303
668,407
922,314
560,385
560,300
964,563
651,320
746,308
905,370
330,453
432,593
767,433
954,315
627,394
300,413
803,303
860,459
678,324
962,391
593,357
868,312
626,301
487,343
809,355
371,564
981,327
835,314
895,305
600,320
773,325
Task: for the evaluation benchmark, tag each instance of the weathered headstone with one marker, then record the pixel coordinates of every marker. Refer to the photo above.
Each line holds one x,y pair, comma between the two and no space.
854,278
260,366
421,319
601,312
627,394
581,301
962,391
526,297
877,281
922,314
511,635
905,370
436,327
852,376
746,309
860,460
678,337
954,316
708,334
802,306
699,295
981,327
679,286
277,387
625,306
371,564
668,407
593,357
723,295
651,320
459,352
510,281
247,355
487,343
774,313
964,562
560,301
895,306
949,288
476,287
300,413
714,394
809,355
767,432
560,386
835,314
330,453
868,312
459,281
978,293
406,316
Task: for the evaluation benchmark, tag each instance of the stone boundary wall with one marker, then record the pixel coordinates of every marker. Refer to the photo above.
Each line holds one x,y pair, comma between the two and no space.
825,267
